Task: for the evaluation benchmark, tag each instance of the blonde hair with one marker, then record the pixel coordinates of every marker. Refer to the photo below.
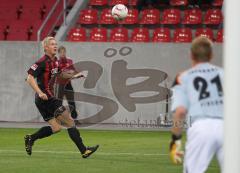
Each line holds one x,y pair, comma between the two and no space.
46,41
201,49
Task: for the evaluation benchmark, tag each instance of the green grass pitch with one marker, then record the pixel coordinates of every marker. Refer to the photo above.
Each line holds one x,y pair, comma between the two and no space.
119,152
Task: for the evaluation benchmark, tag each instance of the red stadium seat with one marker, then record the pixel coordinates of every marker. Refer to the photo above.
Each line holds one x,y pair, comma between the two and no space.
115,2
77,34
119,34
37,4
132,17
88,16
220,36
2,27
98,35
6,32
192,16
178,2
205,32
213,17
28,14
8,14
182,35
18,31
217,3
35,27
140,35
106,17
24,17
9,4
4,23
150,16
132,2
98,2
171,16
162,35
17,34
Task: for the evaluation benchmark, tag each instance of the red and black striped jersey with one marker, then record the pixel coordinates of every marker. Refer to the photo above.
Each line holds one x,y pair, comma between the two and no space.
65,63
45,70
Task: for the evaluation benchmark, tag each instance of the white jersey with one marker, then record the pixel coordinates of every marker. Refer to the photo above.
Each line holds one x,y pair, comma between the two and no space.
200,91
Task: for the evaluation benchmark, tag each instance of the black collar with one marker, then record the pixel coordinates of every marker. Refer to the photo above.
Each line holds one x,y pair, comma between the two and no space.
48,57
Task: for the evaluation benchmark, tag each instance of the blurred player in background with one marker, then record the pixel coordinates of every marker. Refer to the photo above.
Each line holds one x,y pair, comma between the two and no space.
65,63
198,93
51,109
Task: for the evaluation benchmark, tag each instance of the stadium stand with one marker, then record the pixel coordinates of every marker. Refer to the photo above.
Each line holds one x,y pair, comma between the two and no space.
163,22
176,22
20,20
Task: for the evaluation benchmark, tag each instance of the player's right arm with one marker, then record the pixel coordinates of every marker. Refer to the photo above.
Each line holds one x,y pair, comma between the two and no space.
179,109
34,71
32,82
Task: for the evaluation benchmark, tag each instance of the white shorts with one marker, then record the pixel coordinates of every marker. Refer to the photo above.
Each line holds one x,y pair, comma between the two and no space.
204,140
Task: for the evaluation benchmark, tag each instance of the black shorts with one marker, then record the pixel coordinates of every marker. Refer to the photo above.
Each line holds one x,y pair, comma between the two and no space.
50,108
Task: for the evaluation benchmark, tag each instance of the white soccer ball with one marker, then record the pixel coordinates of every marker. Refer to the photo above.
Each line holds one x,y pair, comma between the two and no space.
119,11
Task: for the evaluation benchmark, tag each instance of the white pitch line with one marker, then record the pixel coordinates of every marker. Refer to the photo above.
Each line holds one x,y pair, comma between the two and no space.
72,152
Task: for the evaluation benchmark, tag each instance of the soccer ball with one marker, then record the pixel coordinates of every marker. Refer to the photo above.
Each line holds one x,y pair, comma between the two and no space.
119,11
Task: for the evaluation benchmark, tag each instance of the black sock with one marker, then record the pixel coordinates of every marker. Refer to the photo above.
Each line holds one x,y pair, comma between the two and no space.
42,133
74,114
75,136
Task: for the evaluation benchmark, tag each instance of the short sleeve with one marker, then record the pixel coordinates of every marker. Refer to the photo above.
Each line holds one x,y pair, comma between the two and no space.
36,69
179,97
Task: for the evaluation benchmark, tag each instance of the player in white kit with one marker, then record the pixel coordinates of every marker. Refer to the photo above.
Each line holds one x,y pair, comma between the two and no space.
198,100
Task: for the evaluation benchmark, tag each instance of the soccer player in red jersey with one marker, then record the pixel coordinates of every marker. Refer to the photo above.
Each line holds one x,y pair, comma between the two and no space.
51,109
65,63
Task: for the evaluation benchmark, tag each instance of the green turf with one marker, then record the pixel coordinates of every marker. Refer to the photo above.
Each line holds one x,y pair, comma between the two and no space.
119,152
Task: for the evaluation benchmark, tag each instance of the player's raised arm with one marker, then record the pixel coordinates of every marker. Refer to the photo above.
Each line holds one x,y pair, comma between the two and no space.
32,82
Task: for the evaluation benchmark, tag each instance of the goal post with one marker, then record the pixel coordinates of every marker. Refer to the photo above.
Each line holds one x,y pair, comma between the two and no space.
232,86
